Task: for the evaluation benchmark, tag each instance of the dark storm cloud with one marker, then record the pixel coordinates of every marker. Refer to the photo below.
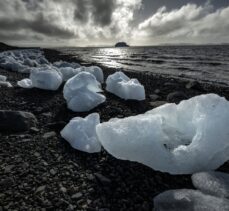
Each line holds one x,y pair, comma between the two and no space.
39,25
100,10
81,11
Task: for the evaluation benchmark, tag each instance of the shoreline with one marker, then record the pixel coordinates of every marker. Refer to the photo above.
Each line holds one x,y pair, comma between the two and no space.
38,172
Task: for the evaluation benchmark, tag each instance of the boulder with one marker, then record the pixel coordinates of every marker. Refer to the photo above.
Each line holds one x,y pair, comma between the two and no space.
16,121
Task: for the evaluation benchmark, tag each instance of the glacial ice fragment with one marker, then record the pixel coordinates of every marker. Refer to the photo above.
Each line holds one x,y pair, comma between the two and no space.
124,87
189,200
96,71
81,92
3,78
5,84
80,133
190,137
22,60
212,183
25,83
63,64
68,72
45,77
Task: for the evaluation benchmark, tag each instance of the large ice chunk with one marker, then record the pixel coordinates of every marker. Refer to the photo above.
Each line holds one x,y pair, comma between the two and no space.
124,87
81,92
180,139
189,200
213,183
80,133
45,77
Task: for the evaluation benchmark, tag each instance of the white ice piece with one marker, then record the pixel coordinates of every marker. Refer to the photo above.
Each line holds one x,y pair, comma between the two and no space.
81,92
213,183
190,137
45,77
5,84
124,87
80,133
25,83
22,60
63,64
3,78
68,72
96,71
189,200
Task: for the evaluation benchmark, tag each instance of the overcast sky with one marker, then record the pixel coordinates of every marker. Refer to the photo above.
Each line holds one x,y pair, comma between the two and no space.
104,22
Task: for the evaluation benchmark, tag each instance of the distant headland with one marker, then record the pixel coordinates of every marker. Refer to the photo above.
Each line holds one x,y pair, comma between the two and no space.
121,44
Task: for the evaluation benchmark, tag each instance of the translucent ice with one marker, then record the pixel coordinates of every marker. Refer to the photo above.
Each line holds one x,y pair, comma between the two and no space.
80,133
63,64
45,77
189,200
5,84
68,72
180,139
3,78
213,183
25,83
124,87
96,71
81,92
22,60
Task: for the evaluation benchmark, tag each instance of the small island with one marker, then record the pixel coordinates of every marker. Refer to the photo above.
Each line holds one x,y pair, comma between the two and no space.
121,44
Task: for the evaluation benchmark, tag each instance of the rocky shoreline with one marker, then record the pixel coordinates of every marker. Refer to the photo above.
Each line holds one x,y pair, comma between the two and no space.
39,170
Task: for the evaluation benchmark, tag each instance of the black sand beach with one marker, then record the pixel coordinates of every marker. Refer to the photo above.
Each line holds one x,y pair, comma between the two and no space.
40,171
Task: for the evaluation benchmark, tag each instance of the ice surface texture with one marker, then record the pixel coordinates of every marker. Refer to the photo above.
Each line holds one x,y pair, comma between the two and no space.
96,71
189,200
22,60
4,83
213,183
124,87
80,133
180,139
81,92
43,78
3,78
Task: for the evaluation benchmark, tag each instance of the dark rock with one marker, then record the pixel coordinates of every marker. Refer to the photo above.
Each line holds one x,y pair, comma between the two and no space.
170,84
157,103
57,126
154,97
34,130
192,85
49,135
121,44
77,195
102,179
176,97
16,121
157,91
